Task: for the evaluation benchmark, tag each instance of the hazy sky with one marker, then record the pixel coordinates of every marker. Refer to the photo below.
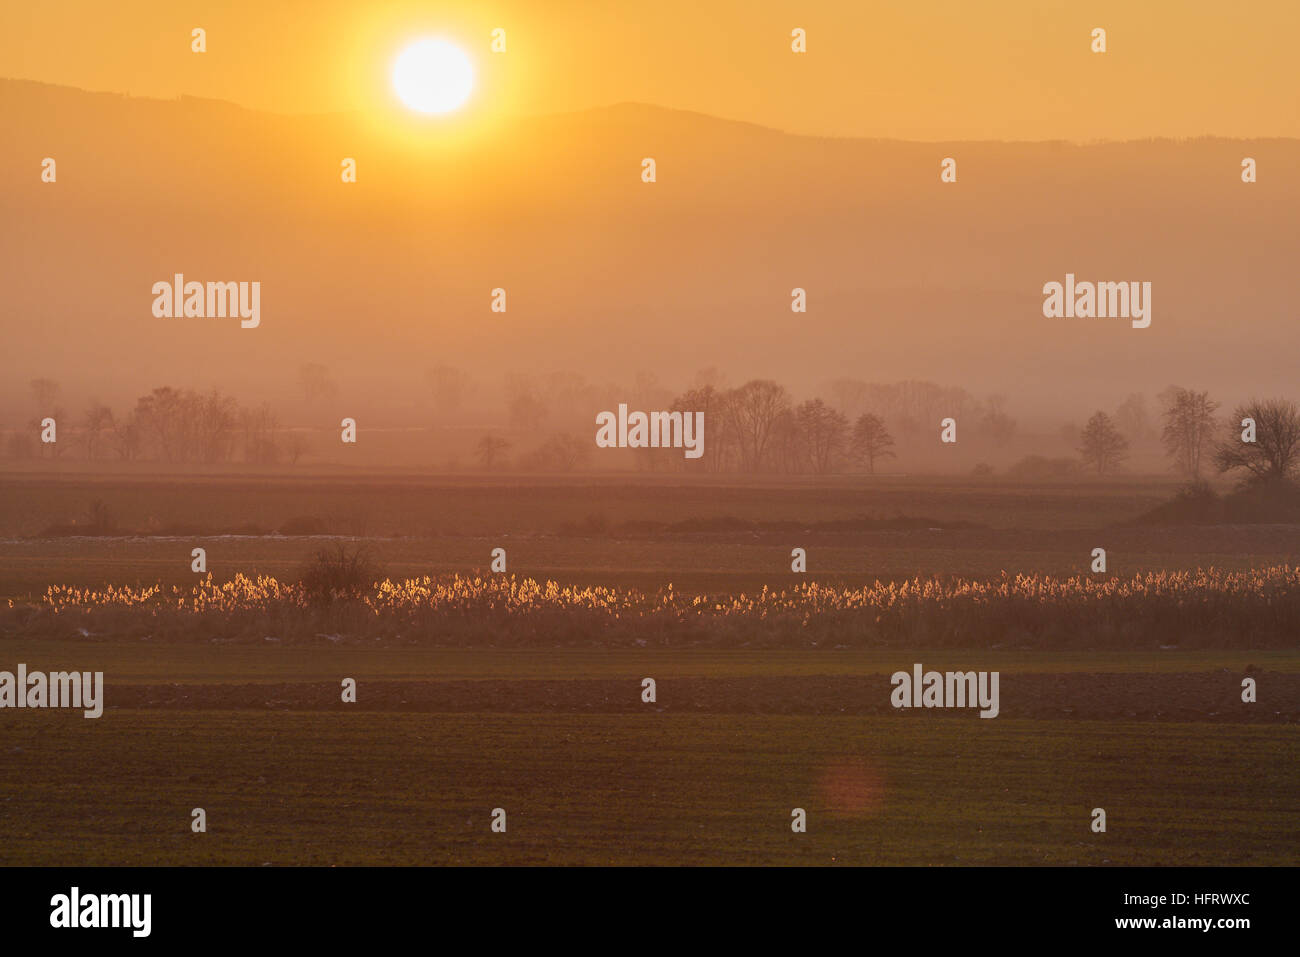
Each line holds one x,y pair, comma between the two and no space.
915,69
382,279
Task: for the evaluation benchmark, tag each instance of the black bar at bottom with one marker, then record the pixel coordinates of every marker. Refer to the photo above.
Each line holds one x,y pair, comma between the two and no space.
332,906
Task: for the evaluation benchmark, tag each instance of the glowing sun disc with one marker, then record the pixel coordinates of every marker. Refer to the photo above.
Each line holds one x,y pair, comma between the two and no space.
433,76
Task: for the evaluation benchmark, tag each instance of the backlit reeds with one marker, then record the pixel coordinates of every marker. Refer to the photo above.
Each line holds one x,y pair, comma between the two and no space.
1255,608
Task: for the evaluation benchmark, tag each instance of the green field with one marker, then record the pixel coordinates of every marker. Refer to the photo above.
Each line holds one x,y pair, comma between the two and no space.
144,662
302,788
589,774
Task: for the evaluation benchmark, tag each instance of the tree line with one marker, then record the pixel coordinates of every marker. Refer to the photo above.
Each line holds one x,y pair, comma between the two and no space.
176,426
1259,441
756,427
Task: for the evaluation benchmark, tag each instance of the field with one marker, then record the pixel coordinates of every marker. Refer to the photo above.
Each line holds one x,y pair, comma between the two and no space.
589,774
247,722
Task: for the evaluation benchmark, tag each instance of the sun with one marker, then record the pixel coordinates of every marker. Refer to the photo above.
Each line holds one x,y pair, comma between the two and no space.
433,76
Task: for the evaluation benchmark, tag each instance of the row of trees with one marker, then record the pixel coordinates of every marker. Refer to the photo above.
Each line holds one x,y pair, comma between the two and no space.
914,408
755,427
1261,439
810,437
167,425
566,400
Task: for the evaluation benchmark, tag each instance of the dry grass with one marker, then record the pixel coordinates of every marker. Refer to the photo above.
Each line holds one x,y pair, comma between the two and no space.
1203,608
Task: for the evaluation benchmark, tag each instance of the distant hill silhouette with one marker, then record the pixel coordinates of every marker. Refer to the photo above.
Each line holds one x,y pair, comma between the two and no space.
606,275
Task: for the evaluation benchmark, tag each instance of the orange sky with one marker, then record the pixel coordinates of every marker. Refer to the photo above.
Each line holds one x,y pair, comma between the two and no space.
914,69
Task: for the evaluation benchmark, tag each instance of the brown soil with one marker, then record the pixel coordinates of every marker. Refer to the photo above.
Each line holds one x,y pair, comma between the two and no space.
1150,697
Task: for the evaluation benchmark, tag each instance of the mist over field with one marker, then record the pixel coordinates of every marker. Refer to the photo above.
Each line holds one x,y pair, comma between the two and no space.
613,281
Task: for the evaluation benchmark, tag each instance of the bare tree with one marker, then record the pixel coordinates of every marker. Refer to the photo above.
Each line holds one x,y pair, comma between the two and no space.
562,452
717,423
259,427
872,441
787,447
295,446
186,426
1274,456
489,449
126,436
823,432
914,405
1101,444
1189,425
755,408
160,419
213,418
97,422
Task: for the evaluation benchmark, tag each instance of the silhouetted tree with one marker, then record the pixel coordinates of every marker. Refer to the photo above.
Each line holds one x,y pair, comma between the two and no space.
126,436
295,446
1189,424
1101,445
489,450
97,422
161,420
755,408
872,441
562,452
186,426
787,449
259,427
824,433
718,426
1274,456
212,423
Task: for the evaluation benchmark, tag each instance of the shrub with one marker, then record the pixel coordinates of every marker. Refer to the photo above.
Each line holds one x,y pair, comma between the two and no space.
339,572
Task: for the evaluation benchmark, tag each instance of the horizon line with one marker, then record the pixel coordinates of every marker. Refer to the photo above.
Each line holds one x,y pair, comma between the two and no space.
622,104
